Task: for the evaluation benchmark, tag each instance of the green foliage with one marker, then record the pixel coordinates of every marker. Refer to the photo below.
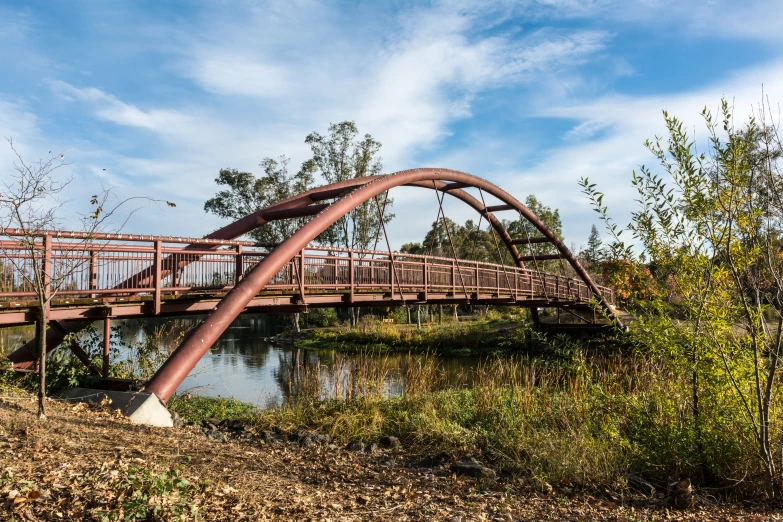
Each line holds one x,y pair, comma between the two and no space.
152,496
320,317
64,369
710,227
129,358
245,194
496,333
197,408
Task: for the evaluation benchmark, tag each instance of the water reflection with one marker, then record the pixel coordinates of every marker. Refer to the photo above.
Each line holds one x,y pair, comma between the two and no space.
13,337
244,365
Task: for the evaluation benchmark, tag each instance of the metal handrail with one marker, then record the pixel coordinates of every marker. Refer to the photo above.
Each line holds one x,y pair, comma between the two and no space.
114,263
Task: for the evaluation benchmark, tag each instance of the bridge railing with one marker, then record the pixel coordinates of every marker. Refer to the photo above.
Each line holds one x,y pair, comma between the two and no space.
157,266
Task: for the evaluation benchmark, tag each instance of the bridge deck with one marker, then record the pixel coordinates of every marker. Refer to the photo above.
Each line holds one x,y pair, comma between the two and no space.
19,313
139,277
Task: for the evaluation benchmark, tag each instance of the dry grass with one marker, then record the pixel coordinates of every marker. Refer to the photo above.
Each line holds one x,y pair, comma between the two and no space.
86,464
589,424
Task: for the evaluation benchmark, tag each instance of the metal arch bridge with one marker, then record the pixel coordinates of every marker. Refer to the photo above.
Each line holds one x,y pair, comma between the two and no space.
122,275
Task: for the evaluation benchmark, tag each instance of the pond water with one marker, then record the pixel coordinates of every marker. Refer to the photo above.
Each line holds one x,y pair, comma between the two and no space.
245,365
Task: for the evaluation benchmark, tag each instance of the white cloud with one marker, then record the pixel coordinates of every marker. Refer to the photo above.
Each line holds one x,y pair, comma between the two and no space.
109,108
405,86
259,79
626,122
242,75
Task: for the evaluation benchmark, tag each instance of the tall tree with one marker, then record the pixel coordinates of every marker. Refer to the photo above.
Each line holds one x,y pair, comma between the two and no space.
594,253
710,224
245,194
341,155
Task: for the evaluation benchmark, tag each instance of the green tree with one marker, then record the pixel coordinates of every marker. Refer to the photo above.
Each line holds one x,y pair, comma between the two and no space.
245,194
710,225
341,155
594,254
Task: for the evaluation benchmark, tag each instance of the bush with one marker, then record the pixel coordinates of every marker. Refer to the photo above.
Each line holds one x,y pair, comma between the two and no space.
197,408
321,317
587,424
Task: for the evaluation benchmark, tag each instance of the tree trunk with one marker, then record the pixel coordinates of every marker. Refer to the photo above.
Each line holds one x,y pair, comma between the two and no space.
418,317
40,334
295,321
408,312
697,417
440,314
456,317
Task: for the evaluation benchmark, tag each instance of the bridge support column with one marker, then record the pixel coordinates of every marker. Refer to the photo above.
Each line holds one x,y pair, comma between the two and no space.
351,274
106,346
426,284
93,284
156,269
535,317
239,265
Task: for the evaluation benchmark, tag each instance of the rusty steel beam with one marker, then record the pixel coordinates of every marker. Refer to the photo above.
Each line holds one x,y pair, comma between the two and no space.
76,349
176,368
321,195
498,208
288,213
543,257
102,236
454,186
270,303
530,240
252,221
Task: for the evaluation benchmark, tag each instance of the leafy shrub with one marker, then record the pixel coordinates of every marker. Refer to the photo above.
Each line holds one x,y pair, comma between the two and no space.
146,495
196,408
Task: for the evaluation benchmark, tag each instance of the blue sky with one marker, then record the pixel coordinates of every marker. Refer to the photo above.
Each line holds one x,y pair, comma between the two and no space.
530,95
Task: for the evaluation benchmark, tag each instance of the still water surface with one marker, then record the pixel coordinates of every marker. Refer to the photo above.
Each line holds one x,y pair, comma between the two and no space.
243,364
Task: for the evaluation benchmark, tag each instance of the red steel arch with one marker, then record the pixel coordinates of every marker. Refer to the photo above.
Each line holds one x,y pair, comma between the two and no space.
350,194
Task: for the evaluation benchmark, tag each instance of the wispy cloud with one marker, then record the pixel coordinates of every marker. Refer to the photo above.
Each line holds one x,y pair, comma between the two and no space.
625,123
525,93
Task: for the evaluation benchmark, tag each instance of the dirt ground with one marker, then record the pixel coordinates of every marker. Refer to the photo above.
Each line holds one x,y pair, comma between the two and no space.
89,463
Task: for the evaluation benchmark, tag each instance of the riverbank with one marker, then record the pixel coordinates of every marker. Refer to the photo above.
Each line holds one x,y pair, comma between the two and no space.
605,423
468,337
87,463
490,334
